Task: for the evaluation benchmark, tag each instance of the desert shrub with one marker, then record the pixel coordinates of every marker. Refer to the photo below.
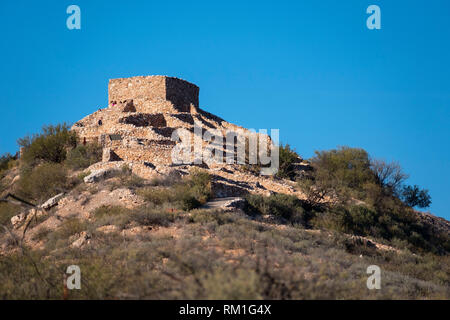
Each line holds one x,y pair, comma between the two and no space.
226,283
339,173
172,178
254,169
7,211
349,166
340,176
318,192
357,220
390,178
287,158
187,194
83,156
50,145
188,201
70,227
126,179
285,206
199,186
134,181
237,261
207,216
110,215
83,175
60,237
29,277
105,210
7,161
395,223
157,196
152,217
41,234
44,181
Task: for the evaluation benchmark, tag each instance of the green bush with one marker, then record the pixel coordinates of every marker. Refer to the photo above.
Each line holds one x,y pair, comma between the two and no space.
126,179
286,206
84,155
205,216
50,145
69,228
199,186
152,217
134,181
157,196
341,176
287,158
43,181
168,180
105,210
189,202
357,220
110,215
344,169
7,211
396,223
337,176
41,234
186,194
120,216
6,161
194,191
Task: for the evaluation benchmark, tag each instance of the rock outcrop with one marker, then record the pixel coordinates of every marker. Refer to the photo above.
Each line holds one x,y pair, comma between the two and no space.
53,201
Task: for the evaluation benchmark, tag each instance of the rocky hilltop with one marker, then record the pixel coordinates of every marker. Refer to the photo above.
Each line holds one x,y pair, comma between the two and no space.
136,129
108,196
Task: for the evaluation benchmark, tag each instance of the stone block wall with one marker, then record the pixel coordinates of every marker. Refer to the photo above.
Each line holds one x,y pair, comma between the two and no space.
144,92
156,154
182,94
151,87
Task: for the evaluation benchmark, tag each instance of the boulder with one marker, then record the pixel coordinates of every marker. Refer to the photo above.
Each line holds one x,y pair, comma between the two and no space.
52,201
226,203
18,219
83,239
237,203
98,175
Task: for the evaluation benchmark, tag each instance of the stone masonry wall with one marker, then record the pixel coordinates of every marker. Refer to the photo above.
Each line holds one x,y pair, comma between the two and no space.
182,94
151,87
144,91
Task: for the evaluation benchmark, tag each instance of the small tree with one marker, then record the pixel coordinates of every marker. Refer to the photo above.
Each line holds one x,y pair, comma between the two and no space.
337,174
287,159
349,167
413,196
389,176
316,190
84,155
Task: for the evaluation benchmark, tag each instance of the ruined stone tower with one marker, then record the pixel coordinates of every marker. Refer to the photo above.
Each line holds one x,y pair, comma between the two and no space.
153,94
141,116
137,126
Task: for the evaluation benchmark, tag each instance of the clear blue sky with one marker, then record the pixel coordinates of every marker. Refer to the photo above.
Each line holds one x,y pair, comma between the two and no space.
310,68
